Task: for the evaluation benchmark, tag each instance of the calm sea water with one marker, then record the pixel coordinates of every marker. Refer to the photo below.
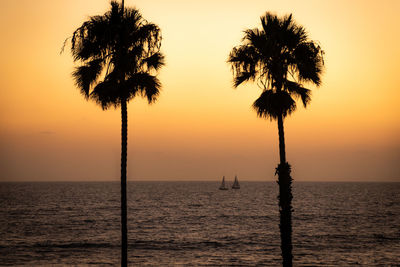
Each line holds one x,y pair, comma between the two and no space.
195,224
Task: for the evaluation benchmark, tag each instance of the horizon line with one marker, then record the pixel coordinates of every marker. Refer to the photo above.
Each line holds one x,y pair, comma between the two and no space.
195,180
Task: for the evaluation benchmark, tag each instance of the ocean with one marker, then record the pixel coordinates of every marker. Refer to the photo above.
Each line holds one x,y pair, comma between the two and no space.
195,224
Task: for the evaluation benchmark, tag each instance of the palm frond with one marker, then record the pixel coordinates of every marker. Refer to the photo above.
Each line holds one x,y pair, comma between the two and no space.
86,75
252,36
309,62
92,40
106,94
144,84
133,19
271,104
244,63
243,76
155,61
270,23
298,91
145,34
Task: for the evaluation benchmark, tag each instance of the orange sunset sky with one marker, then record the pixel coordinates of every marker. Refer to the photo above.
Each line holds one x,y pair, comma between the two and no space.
201,128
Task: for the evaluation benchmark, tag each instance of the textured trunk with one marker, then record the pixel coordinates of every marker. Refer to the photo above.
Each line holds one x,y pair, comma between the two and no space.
282,153
124,140
285,200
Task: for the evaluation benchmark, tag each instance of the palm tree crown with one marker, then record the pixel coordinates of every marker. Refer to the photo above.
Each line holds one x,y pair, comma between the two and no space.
280,58
119,54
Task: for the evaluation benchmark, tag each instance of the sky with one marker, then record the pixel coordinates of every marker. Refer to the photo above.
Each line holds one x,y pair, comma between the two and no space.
201,128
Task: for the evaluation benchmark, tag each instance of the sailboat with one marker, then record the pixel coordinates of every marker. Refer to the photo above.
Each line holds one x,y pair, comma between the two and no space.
223,187
236,184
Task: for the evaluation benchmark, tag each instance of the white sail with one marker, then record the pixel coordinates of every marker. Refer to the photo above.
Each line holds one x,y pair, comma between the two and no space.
223,187
236,184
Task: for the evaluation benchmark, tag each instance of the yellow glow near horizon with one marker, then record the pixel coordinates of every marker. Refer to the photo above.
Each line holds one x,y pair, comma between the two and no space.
201,128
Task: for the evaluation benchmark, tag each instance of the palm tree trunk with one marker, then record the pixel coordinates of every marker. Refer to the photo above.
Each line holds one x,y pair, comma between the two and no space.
124,141
124,144
282,153
285,199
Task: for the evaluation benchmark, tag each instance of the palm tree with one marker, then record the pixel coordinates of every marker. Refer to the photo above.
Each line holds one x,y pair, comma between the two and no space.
280,58
119,54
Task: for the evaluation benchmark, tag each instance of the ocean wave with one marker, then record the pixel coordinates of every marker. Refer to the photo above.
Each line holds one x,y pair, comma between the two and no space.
61,245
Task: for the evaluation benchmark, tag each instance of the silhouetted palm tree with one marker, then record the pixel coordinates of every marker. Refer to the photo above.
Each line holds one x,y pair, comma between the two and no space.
120,55
280,57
